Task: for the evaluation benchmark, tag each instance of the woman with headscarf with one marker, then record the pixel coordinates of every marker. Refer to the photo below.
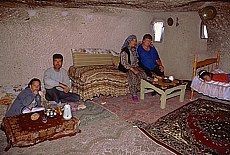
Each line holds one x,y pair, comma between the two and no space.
129,65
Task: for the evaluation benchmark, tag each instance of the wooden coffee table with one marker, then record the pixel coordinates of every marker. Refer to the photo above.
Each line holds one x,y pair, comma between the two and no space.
22,131
166,90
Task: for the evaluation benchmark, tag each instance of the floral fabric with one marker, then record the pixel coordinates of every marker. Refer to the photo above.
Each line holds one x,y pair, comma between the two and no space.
90,81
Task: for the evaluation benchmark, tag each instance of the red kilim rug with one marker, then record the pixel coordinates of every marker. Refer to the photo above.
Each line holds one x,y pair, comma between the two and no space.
199,127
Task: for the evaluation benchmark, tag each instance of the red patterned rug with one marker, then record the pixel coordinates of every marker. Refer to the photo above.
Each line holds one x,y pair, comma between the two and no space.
199,127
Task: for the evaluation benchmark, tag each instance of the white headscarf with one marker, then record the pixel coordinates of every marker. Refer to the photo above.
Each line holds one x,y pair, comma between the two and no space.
128,40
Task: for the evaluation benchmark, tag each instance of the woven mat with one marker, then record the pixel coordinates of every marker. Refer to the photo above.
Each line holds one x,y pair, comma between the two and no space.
199,127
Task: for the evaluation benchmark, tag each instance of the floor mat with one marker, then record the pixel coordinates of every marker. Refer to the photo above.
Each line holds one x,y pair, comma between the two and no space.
103,133
147,110
199,127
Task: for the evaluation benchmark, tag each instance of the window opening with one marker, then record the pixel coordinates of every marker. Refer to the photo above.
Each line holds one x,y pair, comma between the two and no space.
203,31
158,31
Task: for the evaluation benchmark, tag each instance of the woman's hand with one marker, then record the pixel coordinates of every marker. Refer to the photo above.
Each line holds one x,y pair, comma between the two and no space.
134,70
161,68
139,69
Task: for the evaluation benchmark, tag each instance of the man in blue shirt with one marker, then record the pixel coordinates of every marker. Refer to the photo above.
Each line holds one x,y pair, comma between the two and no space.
149,58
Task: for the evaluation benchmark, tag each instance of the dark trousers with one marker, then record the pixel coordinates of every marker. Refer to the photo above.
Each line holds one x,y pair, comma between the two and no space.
60,96
156,70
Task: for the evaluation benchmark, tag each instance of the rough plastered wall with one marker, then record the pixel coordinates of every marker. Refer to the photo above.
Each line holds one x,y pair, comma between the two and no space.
180,42
29,41
219,35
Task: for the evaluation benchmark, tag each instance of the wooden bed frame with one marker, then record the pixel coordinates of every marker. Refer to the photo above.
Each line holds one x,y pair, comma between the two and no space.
207,64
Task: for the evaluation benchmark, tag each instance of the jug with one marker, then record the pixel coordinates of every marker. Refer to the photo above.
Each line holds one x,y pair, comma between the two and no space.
67,115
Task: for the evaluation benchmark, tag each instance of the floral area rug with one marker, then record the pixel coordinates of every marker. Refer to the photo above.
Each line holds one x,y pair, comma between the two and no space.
199,127
102,133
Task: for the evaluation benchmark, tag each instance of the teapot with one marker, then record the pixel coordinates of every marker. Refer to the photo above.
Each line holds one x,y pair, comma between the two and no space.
67,115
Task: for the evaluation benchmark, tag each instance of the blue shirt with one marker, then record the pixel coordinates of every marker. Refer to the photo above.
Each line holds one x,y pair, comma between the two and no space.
148,58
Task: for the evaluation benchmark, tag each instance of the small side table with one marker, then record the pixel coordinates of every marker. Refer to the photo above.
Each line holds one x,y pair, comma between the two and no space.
166,92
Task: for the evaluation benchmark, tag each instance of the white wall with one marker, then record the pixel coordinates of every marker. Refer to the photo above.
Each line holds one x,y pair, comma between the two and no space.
28,43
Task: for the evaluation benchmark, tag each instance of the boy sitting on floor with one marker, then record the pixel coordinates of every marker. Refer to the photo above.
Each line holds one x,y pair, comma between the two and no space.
28,100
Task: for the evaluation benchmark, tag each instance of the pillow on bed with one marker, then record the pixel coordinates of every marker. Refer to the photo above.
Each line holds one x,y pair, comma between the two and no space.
116,61
87,59
217,71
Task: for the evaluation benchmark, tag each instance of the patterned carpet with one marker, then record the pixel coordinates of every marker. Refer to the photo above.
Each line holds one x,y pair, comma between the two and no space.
103,133
199,127
148,111
106,131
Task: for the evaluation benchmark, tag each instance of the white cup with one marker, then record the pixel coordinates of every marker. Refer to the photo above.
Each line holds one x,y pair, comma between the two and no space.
171,78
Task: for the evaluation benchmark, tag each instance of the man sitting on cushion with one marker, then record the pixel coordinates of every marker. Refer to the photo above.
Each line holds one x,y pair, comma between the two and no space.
57,83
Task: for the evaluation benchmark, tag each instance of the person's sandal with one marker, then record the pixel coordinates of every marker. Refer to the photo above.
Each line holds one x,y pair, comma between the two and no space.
81,106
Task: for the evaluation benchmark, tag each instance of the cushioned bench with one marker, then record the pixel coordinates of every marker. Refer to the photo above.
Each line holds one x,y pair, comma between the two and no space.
94,73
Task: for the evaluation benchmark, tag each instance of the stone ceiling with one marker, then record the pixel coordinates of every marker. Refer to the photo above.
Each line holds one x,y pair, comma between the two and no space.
151,5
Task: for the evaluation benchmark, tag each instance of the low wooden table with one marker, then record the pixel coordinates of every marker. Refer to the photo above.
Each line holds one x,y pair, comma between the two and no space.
166,90
22,131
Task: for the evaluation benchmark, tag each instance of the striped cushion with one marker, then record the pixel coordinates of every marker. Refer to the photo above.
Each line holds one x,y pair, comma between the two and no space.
89,59
116,61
